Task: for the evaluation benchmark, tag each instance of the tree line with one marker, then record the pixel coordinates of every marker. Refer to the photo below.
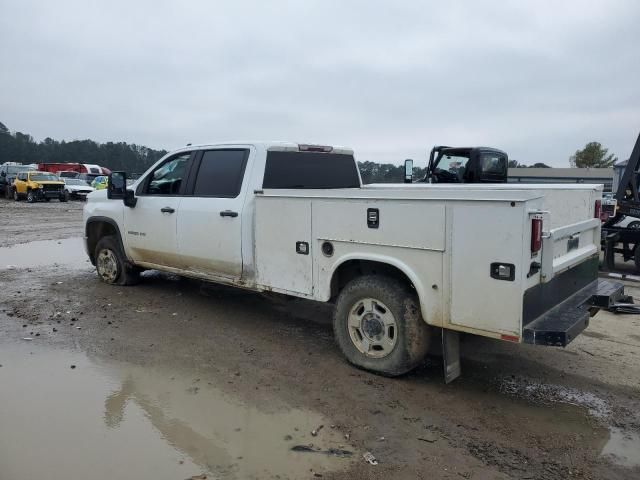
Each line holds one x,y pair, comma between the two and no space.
21,147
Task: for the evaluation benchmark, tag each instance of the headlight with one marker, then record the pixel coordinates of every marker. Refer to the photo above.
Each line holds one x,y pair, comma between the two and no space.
40,186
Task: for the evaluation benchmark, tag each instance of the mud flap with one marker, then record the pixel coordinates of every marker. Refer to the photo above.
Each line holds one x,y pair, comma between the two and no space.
451,354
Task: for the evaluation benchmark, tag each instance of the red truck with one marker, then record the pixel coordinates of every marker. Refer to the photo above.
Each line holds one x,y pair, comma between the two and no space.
73,167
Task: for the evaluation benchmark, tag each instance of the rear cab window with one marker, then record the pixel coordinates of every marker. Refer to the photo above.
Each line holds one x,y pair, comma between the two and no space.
308,170
220,173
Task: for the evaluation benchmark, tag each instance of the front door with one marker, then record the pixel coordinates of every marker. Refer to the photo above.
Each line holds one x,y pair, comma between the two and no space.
150,227
210,220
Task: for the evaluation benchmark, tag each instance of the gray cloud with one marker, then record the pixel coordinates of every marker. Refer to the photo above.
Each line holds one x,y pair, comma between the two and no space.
387,78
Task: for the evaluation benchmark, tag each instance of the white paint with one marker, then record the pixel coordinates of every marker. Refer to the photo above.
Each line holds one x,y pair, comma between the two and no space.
443,237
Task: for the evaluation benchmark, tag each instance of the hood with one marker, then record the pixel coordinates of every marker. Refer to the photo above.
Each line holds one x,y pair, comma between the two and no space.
75,188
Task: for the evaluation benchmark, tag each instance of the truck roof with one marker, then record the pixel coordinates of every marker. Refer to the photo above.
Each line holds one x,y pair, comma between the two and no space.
270,145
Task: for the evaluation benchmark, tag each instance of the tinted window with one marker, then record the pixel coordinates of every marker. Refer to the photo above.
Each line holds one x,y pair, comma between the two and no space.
493,163
220,173
167,178
310,170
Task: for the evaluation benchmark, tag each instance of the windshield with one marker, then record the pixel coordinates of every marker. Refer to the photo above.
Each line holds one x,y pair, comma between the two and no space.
452,163
44,177
13,169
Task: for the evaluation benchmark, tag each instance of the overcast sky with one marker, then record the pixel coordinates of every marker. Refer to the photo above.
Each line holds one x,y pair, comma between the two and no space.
388,78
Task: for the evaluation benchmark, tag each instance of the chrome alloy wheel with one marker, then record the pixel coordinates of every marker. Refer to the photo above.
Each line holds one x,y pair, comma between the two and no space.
372,328
107,265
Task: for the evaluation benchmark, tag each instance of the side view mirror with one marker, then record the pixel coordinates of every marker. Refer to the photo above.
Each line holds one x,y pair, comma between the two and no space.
130,199
116,185
117,189
408,171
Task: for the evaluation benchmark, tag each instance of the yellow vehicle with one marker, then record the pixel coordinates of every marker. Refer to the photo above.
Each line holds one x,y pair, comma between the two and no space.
36,186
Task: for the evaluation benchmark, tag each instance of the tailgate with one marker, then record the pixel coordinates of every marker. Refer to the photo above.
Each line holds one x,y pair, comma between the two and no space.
567,246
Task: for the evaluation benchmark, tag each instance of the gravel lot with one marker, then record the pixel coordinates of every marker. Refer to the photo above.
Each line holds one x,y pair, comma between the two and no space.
174,378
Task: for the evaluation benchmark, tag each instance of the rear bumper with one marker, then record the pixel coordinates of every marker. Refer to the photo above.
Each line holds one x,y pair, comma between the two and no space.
554,313
563,323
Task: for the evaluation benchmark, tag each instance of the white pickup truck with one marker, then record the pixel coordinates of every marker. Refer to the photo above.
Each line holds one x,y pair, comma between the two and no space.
515,263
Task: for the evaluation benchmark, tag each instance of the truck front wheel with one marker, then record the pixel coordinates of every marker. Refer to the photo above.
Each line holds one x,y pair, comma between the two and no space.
378,325
112,265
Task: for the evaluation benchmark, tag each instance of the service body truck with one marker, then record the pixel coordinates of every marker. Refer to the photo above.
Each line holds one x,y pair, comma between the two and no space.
509,262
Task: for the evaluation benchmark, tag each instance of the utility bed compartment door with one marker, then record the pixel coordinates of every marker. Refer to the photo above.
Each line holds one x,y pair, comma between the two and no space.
482,234
282,233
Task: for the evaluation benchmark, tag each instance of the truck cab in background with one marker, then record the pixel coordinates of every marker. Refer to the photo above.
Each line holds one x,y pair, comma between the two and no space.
463,165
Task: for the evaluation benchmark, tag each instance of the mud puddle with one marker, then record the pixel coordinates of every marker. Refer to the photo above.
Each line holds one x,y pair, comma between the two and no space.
68,252
623,448
64,416
619,446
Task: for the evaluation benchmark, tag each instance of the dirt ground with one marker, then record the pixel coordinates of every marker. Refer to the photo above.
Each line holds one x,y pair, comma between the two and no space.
175,378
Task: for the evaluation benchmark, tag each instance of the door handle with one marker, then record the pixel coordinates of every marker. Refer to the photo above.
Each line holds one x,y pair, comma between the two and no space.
167,210
228,213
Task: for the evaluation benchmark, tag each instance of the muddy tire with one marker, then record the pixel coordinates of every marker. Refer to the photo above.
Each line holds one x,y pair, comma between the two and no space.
111,264
378,325
30,196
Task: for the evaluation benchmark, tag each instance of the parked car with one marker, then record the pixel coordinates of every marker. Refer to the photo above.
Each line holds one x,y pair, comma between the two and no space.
76,188
8,172
88,177
400,264
99,183
36,186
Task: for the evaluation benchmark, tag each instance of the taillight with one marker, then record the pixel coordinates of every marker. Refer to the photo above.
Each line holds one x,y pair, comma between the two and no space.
597,210
536,234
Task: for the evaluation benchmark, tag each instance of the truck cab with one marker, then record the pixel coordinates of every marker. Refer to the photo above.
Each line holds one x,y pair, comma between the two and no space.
463,165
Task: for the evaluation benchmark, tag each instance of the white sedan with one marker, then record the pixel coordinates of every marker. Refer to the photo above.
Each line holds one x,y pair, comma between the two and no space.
76,188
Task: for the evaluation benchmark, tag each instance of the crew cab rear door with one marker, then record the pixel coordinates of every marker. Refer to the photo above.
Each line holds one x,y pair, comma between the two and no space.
150,227
210,217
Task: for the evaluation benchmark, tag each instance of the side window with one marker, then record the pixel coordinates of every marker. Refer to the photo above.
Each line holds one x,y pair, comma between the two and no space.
168,178
220,173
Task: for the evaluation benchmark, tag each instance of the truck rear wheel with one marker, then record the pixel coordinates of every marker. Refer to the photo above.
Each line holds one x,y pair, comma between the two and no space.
111,264
378,325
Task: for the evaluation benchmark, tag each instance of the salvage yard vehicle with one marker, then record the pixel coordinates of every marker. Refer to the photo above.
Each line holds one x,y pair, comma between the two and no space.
503,261
76,188
36,186
8,172
466,165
